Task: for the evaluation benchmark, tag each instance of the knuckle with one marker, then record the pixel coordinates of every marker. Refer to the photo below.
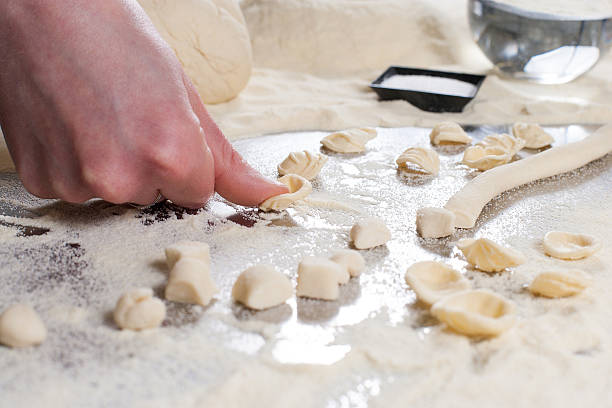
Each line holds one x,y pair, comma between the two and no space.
104,183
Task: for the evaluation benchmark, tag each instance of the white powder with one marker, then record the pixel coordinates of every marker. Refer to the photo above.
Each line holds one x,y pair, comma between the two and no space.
430,84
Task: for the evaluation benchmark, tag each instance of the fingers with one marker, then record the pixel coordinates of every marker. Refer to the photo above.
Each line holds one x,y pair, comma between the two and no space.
235,179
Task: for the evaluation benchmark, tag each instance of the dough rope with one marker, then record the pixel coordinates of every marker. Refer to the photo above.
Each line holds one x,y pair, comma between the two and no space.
468,203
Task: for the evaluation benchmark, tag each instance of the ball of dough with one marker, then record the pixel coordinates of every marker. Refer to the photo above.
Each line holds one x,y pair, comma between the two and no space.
434,222
20,326
261,287
211,40
137,309
190,282
369,233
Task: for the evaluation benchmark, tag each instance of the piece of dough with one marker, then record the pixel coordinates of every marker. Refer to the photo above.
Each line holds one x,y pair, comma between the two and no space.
485,158
432,281
512,145
558,284
190,282
318,278
434,222
488,256
426,159
369,233
349,141
534,136
468,202
299,188
20,326
349,259
305,164
210,39
187,249
137,309
475,312
261,287
565,245
448,132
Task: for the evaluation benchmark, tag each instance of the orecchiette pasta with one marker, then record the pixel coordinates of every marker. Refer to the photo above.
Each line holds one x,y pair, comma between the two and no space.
566,245
534,136
432,281
557,284
448,132
349,141
475,313
305,164
488,256
425,159
299,188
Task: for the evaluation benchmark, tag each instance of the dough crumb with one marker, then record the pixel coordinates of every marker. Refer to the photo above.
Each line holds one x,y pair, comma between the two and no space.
425,159
448,132
434,222
318,278
305,164
261,287
20,326
558,284
349,141
488,256
369,233
477,312
299,188
569,246
190,282
137,309
432,281
349,259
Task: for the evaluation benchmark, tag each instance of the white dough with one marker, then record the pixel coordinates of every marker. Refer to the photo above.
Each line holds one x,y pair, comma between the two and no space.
211,40
349,259
434,222
261,287
477,312
190,282
558,284
448,132
470,200
137,309
369,233
485,158
305,164
20,326
534,136
349,141
189,249
299,188
426,159
566,245
488,256
432,281
318,278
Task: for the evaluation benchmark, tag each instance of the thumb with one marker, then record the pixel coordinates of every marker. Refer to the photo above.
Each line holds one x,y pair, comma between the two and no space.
235,179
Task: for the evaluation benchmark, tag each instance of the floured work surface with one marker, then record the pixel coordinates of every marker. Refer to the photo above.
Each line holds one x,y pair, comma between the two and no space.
375,346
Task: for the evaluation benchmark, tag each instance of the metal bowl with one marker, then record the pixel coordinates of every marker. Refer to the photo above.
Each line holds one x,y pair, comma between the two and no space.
538,46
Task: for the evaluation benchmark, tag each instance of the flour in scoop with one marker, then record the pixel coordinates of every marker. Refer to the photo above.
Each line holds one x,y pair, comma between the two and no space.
430,84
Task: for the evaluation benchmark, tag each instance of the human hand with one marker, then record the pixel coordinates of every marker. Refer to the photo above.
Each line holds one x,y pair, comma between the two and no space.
93,103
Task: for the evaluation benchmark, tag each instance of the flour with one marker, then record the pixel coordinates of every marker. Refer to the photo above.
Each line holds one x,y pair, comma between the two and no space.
375,346
430,84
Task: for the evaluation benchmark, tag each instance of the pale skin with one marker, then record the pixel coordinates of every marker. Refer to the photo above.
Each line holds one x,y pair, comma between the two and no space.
93,103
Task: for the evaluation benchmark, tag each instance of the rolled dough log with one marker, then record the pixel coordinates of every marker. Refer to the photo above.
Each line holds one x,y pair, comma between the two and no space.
468,202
